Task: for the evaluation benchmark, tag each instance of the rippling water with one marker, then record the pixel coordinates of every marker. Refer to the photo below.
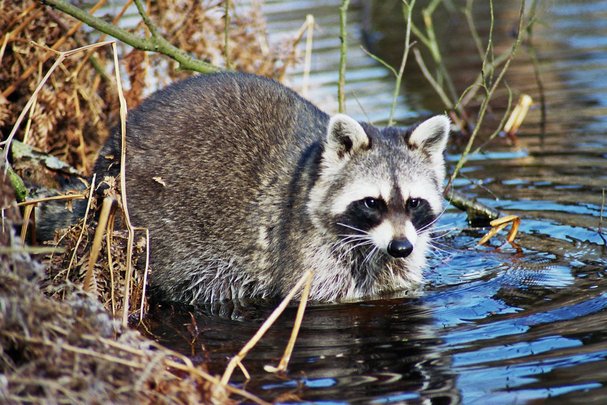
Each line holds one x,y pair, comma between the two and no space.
491,326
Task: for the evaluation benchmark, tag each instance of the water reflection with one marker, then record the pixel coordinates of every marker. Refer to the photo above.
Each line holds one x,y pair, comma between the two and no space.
382,349
492,326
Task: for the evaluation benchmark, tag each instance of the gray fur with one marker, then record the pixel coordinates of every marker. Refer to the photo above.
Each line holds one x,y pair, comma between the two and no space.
250,173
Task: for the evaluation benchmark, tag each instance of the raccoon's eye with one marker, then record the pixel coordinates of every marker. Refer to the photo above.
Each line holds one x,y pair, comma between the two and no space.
413,203
371,203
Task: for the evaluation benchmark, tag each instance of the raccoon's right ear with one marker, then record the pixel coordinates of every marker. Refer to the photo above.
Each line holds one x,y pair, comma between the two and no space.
345,136
431,136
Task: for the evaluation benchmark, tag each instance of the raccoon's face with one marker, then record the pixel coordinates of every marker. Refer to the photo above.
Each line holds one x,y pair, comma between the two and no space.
378,194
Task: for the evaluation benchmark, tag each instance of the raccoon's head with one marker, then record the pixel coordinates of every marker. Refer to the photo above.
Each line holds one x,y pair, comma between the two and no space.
377,195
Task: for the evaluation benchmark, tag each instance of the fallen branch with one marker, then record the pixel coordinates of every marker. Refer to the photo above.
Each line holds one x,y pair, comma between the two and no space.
478,213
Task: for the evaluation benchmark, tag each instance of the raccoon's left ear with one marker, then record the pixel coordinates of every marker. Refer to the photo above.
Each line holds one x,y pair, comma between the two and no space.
345,136
431,136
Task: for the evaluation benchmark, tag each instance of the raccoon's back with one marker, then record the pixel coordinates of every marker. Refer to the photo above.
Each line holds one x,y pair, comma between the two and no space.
202,155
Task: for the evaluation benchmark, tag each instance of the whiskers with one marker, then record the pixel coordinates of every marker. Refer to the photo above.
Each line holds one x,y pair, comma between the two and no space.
437,249
349,244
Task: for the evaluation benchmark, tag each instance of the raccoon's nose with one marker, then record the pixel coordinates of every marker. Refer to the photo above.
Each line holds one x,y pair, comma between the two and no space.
400,248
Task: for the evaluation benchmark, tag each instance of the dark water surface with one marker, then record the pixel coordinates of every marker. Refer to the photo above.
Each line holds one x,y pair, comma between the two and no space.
491,325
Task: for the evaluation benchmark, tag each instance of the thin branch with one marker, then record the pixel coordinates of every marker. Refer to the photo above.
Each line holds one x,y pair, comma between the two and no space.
155,43
403,63
435,85
500,126
472,26
146,20
488,96
226,34
343,9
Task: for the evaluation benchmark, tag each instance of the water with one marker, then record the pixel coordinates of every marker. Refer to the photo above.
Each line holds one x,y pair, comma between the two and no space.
491,325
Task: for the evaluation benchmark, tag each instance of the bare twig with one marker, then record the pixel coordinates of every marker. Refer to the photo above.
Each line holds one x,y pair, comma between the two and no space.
403,62
488,96
435,85
86,214
226,33
343,9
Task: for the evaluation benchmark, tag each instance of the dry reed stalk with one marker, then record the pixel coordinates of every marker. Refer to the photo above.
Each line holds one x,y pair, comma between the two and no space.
284,361
110,261
68,197
125,208
86,214
28,125
89,277
3,47
263,328
27,213
146,272
115,21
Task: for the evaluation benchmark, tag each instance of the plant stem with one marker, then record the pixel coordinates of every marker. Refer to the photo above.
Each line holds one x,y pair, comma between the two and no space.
403,62
488,96
226,36
343,9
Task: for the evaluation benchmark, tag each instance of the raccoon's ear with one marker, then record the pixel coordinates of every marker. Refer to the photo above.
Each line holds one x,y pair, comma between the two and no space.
345,136
431,136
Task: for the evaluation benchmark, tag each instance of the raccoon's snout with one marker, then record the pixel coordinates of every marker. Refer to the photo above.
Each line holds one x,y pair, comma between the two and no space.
400,248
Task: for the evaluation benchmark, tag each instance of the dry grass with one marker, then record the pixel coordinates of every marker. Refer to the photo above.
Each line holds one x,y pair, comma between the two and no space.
57,343
71,112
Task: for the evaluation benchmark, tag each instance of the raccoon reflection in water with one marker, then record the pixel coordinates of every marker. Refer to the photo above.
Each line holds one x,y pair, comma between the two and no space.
260,186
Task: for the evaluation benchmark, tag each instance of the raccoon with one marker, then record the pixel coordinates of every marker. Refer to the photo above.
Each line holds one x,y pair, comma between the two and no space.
244,186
